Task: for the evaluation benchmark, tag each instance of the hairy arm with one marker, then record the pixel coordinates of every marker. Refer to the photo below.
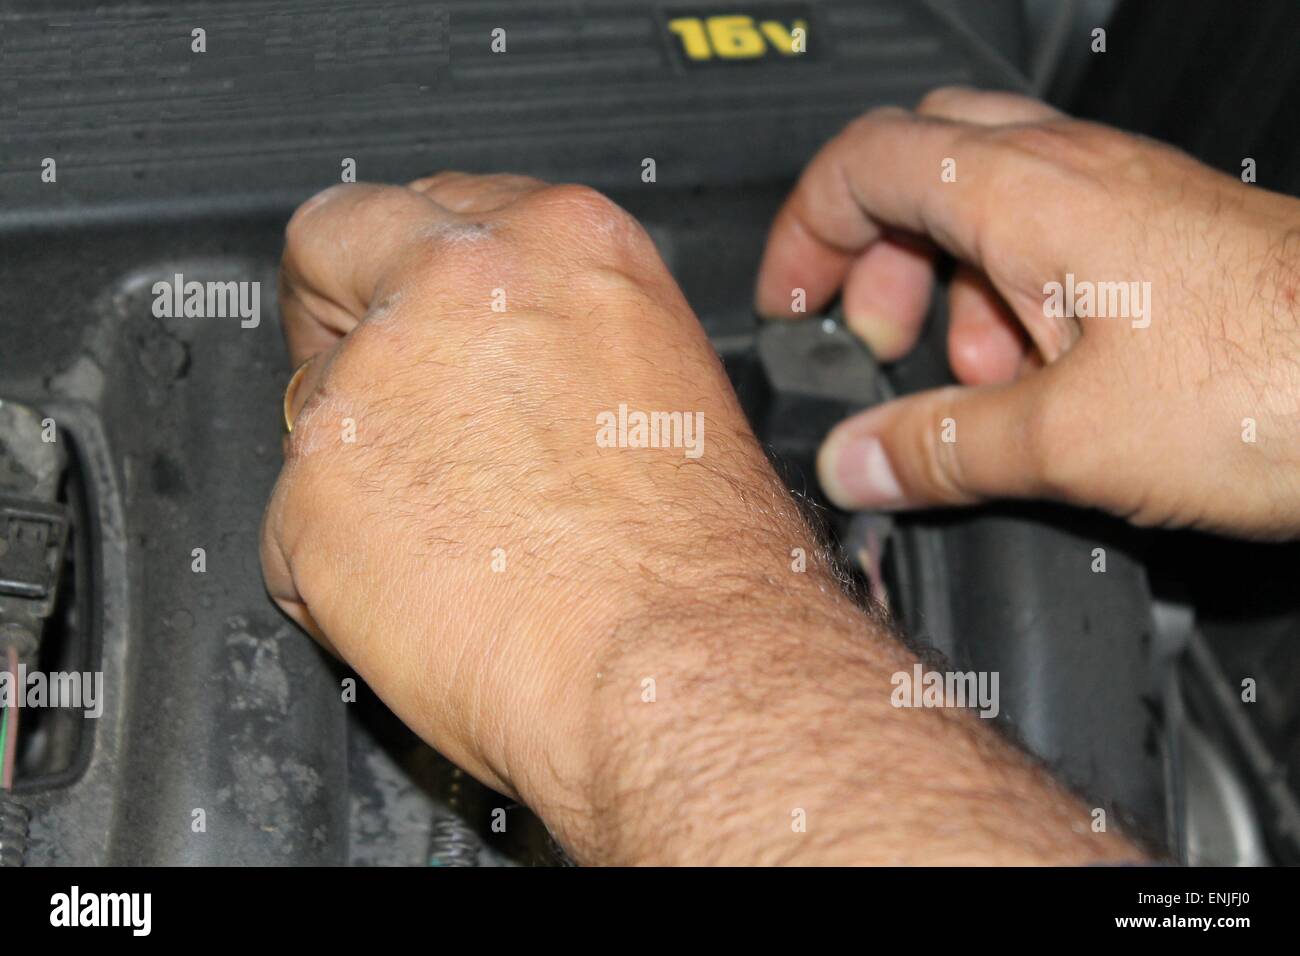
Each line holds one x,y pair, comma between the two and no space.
742,712
614,634
771,738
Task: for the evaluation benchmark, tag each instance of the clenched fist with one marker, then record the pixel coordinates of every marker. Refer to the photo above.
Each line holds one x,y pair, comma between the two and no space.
457,516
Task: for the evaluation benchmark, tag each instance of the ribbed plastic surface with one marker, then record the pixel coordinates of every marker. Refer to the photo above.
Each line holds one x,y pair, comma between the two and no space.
285,92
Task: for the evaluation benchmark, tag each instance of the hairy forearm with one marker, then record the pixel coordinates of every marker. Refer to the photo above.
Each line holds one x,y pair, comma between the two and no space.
727,708
770,738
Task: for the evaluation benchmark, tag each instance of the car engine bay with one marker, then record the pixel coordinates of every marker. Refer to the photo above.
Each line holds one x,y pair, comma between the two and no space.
1155,672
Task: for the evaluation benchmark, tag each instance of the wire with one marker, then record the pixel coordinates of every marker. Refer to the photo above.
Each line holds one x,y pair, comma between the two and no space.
9,734
4,733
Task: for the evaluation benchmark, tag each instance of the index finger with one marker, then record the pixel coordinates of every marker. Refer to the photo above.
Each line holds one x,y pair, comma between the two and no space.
895,170
339,246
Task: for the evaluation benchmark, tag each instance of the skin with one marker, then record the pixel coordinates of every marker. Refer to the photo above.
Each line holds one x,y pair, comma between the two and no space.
436,437
1146,423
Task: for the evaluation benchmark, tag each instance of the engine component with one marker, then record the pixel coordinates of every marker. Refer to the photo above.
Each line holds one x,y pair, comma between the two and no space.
33,527
13,831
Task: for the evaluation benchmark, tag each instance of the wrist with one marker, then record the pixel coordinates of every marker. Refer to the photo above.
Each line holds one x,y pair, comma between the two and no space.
685,695
764,732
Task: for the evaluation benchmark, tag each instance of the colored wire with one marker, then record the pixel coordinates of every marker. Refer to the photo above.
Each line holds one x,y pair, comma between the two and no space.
10,736
4,733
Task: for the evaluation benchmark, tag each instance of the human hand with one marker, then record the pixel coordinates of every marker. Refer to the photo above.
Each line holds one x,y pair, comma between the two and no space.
450,524
1183,411
448,520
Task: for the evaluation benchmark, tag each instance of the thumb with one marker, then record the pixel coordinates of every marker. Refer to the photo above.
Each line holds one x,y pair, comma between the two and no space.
949,446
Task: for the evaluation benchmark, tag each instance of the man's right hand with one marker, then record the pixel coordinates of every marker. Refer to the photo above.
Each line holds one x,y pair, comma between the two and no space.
1181,412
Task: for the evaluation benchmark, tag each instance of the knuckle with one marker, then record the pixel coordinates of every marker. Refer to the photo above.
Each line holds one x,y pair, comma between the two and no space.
1051,142
369,210
588,222
1031,162
1023,167
433,180
585,210
459,246
577,202
1067,160
511,183
298,221
1137,161
1020,158
377,207
861,128
942,460
457,253
940,97
299,232
875,116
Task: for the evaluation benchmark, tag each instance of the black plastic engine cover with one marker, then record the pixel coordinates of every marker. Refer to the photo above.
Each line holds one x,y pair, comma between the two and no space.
169,161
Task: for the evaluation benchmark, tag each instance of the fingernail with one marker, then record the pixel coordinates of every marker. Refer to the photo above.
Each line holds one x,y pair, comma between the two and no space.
882,336
860,476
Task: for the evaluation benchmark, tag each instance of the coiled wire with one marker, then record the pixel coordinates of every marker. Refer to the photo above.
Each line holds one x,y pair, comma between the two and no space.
13,831
453,842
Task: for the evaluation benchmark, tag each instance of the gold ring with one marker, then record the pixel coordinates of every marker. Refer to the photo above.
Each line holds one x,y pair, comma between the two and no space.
289,393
